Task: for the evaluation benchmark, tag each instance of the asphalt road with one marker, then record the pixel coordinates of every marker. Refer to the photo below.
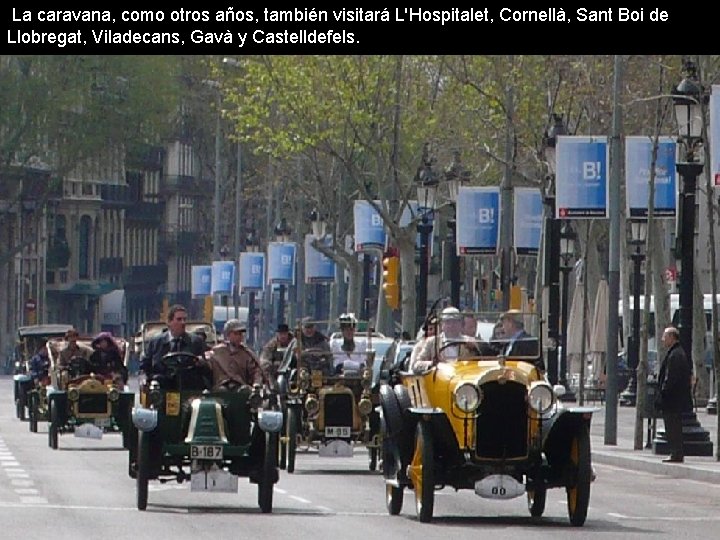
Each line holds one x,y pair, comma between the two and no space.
82,490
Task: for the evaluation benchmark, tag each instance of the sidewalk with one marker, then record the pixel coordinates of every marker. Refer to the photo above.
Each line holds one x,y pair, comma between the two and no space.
700,468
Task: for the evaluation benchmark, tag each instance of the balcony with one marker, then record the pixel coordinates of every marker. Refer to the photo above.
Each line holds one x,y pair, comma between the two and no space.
149,212
110,266
145,275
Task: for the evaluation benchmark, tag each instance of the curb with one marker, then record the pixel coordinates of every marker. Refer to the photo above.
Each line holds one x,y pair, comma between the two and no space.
689,471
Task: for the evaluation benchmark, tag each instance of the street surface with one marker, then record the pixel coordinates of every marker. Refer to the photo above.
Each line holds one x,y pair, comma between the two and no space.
82,490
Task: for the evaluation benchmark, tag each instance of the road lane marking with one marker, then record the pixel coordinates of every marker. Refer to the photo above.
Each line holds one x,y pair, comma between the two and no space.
664,518
22,483
299,499
36,501
9,464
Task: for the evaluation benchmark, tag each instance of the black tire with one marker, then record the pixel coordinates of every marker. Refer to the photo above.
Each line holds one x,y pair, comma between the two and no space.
283,444
393,499
373,459
578,489
403,398
143,470
129,431
33,412
292,432
536,501
54,426
265,487
423,473
393,495
391,411
20,405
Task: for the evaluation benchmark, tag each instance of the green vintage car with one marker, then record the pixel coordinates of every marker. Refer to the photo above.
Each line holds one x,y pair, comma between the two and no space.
188,433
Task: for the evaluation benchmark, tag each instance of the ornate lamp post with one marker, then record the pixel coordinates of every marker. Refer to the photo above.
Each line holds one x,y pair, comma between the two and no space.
282,234
567,252
252,245
319,228
552,248
455,176
638,235
426,185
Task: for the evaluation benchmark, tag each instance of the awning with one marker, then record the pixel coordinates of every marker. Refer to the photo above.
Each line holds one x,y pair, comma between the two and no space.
95,288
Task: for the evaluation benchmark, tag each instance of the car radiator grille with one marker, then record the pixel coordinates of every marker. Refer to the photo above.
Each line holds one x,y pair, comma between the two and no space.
92,403
338,410
502,421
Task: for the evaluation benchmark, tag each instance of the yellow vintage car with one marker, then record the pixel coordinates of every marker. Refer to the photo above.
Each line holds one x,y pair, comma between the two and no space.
483,419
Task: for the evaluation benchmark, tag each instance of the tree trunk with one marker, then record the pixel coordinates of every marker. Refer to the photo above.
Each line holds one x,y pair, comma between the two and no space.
406,245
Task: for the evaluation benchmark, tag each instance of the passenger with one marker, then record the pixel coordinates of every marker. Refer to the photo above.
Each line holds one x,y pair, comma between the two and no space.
348,354
469,327
73,349
312,339
175,339
234,364
106,358
517,341
429,330
40,363
273,351
453,343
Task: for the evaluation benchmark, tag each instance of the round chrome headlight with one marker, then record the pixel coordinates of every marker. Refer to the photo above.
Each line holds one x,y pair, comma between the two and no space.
113,394
541,397
73,394
365,406
467,397
312,405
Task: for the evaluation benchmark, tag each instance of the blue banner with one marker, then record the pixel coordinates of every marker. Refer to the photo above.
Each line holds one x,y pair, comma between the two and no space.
252,271
478,220
200,281
369,227
281,263
319,268
528,216
581,182
223,277
638,163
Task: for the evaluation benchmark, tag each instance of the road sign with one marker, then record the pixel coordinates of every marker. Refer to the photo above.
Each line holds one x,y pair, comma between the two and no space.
671,274
30,304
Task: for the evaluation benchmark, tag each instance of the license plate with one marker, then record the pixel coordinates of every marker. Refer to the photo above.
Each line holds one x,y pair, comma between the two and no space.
206,451
103,422
338,431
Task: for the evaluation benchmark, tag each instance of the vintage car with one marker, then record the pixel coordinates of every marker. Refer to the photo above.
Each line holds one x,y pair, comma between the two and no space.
29,339
209,438
83,402
483,419
330,409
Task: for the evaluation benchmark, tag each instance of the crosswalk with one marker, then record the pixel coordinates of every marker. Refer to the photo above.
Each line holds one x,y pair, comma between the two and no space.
19,480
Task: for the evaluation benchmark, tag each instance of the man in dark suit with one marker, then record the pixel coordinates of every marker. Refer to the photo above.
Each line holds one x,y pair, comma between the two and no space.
675,387
516,340
175,339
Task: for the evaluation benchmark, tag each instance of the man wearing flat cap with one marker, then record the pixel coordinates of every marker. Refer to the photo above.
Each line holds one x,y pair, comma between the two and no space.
73,349
311,337
273,351
451,340
232,363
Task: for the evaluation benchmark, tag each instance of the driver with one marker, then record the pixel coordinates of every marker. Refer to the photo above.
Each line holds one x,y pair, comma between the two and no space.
73,349
233,363
176,339
272,353
348,354
451,340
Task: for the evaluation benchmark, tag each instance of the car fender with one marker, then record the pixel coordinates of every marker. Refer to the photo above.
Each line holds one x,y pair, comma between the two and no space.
559,428
442,432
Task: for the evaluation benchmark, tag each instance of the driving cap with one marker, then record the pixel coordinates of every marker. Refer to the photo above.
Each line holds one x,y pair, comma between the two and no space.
234,325
282,327
450,313
307,322
72,332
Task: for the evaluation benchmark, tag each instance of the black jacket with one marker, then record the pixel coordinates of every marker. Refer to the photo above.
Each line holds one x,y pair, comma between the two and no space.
675,381
159,346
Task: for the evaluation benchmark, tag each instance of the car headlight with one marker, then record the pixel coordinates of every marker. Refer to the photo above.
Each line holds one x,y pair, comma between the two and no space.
365,406
73,394
541,397
467,397
113,394
312,405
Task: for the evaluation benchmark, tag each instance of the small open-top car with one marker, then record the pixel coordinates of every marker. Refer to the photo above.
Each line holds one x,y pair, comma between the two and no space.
328,403
29,340
209,438
84,400
481,416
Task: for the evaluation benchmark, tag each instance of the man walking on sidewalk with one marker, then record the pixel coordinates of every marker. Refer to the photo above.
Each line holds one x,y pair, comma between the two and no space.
675,385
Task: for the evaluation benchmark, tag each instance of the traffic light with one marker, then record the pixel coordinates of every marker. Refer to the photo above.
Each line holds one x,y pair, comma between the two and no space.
391,282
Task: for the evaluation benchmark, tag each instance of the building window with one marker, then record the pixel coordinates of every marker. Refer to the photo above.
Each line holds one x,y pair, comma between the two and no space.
84,251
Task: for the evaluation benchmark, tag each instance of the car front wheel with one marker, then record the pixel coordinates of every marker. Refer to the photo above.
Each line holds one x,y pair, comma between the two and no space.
422,473
578,489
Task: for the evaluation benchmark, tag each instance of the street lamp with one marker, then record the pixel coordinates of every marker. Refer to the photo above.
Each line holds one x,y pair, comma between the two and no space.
567,252
455,176
688,113
426,185
216,86
552,248
252,245
319,227
638,235
282,234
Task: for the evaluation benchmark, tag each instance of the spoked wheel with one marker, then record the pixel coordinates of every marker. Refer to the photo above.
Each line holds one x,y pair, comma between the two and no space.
54,426
536,501
143,470
578,490
283,445
422,473
33,407
20,405
265,487
292,432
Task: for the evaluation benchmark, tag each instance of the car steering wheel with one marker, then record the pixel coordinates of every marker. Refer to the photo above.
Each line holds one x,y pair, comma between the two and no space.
179,361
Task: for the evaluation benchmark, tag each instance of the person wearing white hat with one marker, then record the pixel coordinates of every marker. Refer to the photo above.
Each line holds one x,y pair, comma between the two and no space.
348,354
451,340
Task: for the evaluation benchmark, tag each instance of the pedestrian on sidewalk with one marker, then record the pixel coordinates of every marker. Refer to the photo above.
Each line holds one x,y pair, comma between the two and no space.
675,392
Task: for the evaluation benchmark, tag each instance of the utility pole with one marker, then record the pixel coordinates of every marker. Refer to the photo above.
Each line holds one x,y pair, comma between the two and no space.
506,221
238,228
